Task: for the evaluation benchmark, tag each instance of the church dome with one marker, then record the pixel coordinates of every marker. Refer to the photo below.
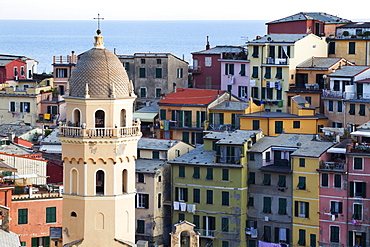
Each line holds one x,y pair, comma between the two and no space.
99,74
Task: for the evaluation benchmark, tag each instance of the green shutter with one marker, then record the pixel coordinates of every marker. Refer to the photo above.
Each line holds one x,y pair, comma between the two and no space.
282,181
282,206
252,178
34,242
268,156
47,241
351,189
185,136
302,183
225,224
196,221
296,208
225,174
302,237
198,120
190,119
267,205
221,118
209,173
313,240
181,171
225,198
363,189
162,114
51,215
186,194
181,119
350,238
363,239
307,213
196,195
196,173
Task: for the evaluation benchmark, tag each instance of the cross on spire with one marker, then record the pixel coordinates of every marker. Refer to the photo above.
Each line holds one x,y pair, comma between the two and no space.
98,18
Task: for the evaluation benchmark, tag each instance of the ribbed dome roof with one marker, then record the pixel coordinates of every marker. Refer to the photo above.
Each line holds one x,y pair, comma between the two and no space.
99,74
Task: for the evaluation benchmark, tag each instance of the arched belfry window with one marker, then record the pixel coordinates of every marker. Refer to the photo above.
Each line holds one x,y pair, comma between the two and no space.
77,118
99,119
100,182
74,182
123,118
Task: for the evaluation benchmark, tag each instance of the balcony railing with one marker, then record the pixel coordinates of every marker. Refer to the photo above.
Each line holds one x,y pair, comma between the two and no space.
99,132
361,148
330,165
228,159
277,61
195,69
206,233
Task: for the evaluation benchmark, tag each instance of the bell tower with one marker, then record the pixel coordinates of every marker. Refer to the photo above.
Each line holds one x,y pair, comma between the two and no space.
99,143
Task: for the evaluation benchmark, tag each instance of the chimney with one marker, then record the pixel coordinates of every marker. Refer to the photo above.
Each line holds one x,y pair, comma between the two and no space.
11,136
174,87
4,218
208,46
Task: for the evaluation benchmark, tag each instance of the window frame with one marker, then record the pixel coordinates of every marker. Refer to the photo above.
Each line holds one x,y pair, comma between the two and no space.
51,214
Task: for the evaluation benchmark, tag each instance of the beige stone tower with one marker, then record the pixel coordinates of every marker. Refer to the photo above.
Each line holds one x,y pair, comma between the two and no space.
99,150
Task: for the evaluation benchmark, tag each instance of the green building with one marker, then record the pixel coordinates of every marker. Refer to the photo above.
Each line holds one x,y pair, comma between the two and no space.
210,187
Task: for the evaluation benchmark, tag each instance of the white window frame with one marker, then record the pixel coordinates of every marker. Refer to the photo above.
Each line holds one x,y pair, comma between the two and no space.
181,194
208,61
140,200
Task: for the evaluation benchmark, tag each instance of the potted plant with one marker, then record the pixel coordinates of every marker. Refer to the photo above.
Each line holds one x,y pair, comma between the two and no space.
345,33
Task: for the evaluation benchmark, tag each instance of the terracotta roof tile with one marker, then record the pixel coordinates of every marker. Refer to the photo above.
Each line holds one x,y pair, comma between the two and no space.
191,96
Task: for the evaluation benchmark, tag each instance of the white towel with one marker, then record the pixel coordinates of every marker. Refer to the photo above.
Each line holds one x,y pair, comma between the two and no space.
182,206
191,208
176,206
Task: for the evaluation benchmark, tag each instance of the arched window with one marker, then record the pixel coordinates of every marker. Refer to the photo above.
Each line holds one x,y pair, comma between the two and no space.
73,214
74,181
99,186
77,117
123,118
99,119
124,181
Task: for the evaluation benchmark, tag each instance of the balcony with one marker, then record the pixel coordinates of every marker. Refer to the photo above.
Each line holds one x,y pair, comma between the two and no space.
331,166
306,88
228,159
205,233
64,59
276,61
79,132
234,56
360,148
195,69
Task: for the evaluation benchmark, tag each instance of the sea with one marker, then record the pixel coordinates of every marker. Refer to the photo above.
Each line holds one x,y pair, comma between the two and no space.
43,39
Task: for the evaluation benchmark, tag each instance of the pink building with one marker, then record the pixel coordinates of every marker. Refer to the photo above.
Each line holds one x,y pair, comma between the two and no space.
235,77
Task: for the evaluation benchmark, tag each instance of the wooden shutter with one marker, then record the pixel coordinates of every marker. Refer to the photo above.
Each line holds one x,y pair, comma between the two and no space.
363,189
351,189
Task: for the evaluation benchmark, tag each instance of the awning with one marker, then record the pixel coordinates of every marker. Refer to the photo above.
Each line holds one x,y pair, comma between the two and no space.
336,150
21,176
54,149
284,149
145,116
361,133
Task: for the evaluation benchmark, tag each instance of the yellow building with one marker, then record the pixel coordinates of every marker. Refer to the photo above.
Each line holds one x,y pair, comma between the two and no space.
302,119
273,60
99,152
305,193
354,48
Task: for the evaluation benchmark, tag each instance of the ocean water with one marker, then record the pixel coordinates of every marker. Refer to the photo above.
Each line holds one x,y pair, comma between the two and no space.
41,40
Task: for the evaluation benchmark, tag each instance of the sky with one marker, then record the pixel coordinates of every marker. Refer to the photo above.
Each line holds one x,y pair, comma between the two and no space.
176,10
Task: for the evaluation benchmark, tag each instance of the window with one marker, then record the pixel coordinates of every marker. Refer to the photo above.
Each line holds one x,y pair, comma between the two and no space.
225,174
155,155
337,181
127,66
99,182
279,73
282,235
51,214
301,209
339,106
181,171
357,211
268,156
351,47
330,105
250,201
312,240
242,70
196,195
269,92
266,205
266,179
225,198
357,189
279,96
25,107
308,99
267,233
140,226
196,221
302,237
159,61
352,109
229,69
251,157
324,180
158,72
208,61
336,86
278,127
357,163
61,73
181,194
209,175
22,216
362,110
256,124
196,173
180,72
209,196
334,234
142,200
225,243
296,124
255,92
142,73
302,162
158,92
255,51
263,93
331,48
142,61
252,178
181,217
282,181
268,73
282,206
12,106
301,183
51,109
336,208
143,92
229,88
140,178
242,91
255,72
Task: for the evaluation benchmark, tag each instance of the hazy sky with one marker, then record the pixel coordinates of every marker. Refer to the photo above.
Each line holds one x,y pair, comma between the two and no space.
177,10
